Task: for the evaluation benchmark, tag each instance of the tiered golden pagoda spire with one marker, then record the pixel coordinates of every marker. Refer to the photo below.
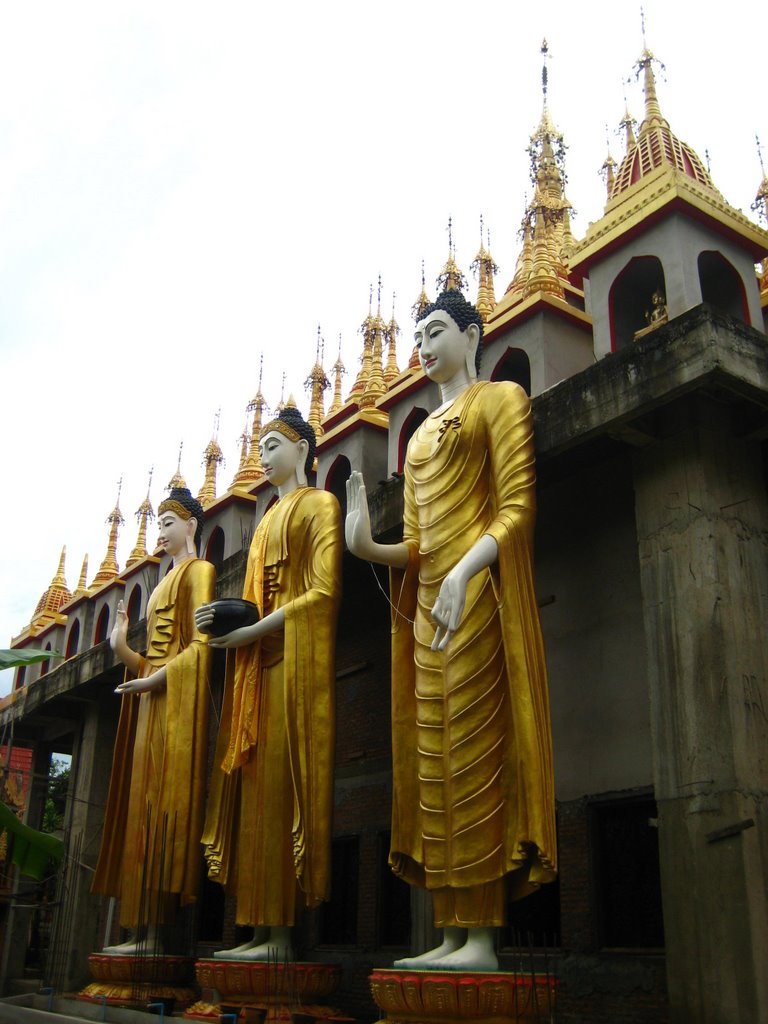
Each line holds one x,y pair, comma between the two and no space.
375,385
177,480
338,371
55,596
82,583
417,311
250,470
542,265
144,514
391,331
282,404
212,458
316,383
366,360
760,206
608,170
451,277
109,567
485,268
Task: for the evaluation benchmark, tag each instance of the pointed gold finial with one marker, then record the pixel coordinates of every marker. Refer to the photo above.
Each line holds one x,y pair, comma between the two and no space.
366,359
316,383
177,480
391,331
644,64
484,267
608,170
82,583
213,457
338,371
281,404
451,278
56,595
144,514
250,470
375,385
109,567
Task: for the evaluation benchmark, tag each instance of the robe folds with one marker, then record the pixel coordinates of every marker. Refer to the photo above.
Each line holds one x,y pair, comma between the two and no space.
150,847
268,826
472,751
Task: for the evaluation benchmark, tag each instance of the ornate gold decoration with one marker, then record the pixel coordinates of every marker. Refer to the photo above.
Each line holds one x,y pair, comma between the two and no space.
269,985
56,595
109,567
391,331
450,277
338,371
424,997
171,505
144,514
212,458
361,381
281,428
125,979
82,585
316,383
177,480
485,268
375,385
250,469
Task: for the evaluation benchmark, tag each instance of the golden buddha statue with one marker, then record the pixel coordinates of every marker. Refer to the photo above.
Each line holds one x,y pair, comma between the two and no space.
473,802
150,847
268,826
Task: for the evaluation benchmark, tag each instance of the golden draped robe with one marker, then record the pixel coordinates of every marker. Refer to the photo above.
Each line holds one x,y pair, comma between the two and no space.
150,846
268,826
472,751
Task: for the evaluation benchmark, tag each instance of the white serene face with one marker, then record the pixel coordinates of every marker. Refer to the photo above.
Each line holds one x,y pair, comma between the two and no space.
173,533
280,457
442,346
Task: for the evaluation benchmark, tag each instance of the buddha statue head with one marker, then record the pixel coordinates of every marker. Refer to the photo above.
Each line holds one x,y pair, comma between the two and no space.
463,316
287,447
180,518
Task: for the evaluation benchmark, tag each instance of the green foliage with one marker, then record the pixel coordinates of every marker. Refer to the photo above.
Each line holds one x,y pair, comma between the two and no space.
56,800
25,656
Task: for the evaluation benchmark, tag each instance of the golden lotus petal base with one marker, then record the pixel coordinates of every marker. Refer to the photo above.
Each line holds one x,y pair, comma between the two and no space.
451,997
136,980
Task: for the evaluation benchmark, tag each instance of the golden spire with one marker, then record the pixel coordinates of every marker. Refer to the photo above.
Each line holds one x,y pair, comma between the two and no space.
375,385
451,278
177,480
547,237
366,360
250,469
338,370
485,268
391,331
212,457
628,124
55,596
144,514
316,383
653,116
282,403
417,311
608,170
290,402
82,585
109,567
760,206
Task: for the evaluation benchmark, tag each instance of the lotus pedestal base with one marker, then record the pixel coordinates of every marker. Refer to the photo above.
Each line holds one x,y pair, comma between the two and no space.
265,991
138,980
453,997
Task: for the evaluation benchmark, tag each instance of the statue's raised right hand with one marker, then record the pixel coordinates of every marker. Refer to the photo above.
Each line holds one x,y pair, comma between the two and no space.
119,635
357,527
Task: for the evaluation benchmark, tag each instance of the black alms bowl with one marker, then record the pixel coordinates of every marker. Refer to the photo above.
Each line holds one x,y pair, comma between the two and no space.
231,613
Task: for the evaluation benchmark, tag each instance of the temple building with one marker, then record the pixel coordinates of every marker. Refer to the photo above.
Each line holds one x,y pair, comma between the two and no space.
643,347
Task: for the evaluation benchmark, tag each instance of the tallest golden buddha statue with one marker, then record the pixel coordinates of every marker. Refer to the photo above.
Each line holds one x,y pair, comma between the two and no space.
473,803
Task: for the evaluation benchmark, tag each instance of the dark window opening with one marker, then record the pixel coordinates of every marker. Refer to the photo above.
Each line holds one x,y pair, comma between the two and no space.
336,482
214,551
514,365
394,899
721,285
134,605
535,920
73,639
102,625
627,879
630,301
338,917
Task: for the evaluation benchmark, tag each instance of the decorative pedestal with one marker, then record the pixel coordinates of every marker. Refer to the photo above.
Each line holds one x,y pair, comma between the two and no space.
452,997
138,980
282,991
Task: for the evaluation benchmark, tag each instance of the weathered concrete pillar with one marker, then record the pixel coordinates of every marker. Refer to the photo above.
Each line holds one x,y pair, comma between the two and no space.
702,524
89,781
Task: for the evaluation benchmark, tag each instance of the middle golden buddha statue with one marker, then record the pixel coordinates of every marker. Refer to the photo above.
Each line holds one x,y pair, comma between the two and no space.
268,826
473,807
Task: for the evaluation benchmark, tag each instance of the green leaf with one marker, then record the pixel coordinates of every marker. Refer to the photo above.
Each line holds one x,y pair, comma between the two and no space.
25,656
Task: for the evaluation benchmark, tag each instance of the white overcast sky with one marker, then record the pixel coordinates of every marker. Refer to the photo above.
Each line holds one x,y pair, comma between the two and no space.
184,186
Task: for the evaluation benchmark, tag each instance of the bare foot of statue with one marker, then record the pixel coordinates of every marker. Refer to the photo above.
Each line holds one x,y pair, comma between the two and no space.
150,945
271,944
477,954
453,939
259,936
